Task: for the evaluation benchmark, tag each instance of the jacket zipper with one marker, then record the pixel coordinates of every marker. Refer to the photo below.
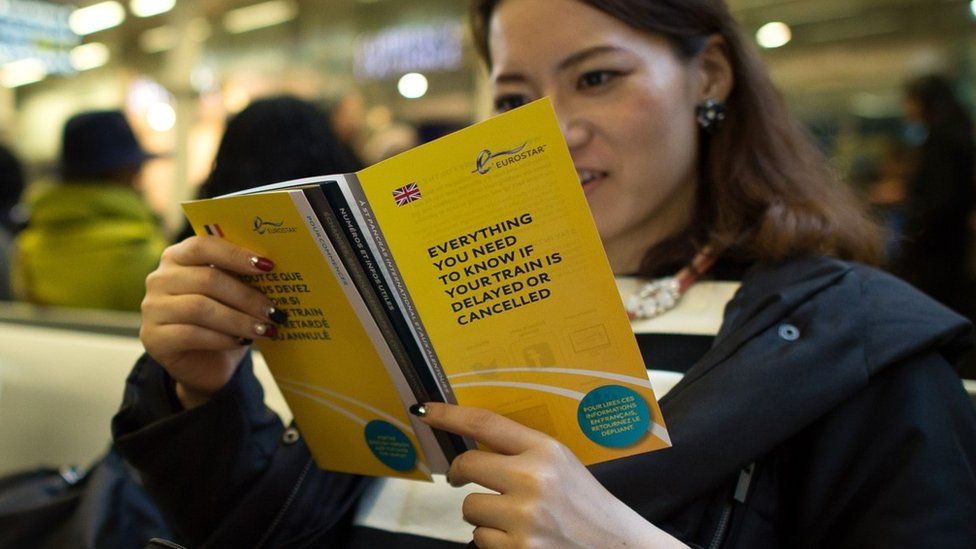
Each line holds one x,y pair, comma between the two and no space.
723,525
739,495
284,508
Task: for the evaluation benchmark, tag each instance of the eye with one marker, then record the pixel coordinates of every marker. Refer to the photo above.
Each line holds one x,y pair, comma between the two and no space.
509,102
596,78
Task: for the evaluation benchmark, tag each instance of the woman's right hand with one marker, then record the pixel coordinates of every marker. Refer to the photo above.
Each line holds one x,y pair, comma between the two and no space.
198,316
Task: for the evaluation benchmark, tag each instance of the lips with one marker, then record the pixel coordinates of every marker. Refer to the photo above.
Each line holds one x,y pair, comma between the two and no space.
588,176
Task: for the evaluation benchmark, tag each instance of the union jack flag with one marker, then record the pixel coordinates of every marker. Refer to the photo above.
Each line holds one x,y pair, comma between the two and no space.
407,194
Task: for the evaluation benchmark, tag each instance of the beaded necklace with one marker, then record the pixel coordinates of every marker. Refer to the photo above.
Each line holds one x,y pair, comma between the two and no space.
661,295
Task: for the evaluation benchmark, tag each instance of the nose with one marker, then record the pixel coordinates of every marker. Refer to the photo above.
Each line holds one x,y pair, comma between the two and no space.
576,133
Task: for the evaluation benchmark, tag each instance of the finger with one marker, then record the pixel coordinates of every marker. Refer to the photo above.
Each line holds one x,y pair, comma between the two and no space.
485,510
497,432
214,283
215,251
191,338
205,312
489,538
484,469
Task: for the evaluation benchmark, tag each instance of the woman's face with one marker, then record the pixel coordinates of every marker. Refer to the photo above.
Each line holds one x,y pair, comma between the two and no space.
626,104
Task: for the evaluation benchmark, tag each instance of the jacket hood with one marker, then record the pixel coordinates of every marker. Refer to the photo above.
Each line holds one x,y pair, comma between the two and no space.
798,339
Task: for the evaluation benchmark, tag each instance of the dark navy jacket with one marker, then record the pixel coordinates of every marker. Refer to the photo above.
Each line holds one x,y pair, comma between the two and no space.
826,414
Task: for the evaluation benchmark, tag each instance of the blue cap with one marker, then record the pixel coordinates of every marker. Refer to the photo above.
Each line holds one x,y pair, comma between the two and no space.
98,143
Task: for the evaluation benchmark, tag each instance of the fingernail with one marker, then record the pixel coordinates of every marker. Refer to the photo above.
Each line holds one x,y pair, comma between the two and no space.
262,263
419,410
277,315
244,341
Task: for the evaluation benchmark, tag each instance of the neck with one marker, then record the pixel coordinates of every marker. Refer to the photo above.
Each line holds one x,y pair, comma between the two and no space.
626,251
625,254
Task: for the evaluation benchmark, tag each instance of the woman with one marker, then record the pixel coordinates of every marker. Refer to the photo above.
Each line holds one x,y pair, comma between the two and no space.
939,198
825,412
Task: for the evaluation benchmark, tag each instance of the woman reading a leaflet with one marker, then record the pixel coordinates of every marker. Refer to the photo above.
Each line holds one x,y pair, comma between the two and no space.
824,412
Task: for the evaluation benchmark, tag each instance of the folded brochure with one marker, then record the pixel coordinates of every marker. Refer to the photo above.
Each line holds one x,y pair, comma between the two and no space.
467,270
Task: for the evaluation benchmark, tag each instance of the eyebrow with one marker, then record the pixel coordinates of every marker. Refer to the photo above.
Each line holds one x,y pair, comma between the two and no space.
574,59
583,55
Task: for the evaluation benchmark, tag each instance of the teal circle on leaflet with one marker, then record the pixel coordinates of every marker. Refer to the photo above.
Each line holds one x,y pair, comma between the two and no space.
390,446
613,416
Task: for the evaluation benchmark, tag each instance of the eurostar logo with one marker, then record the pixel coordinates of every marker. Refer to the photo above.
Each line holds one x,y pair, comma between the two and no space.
483,162
261,226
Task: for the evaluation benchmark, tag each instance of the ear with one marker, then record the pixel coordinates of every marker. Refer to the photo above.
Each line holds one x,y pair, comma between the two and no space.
715,68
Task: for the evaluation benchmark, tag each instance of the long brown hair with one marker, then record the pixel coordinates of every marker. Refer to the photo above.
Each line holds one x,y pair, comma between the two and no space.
766,193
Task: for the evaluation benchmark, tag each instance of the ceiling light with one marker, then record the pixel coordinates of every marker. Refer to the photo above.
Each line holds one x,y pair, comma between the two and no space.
412,85
774,35
203,79
22,72
89,56
161,116
96,17
148,8
259,16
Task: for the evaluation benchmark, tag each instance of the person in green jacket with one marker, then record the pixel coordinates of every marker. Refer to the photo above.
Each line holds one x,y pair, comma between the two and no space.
91,240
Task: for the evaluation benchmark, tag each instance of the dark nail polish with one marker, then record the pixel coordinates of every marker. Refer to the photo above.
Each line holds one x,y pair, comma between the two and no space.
277,315
244,341
262,263
418,410
271,332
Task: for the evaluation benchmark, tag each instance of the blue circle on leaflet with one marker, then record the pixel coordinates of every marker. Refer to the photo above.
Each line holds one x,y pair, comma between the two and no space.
613,416
390,446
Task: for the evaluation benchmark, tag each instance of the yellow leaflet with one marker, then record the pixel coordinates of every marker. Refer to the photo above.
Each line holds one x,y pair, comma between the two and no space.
504,283
324,360
497,248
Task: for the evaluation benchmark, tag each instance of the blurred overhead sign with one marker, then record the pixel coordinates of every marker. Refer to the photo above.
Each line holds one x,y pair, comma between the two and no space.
400,50
30,29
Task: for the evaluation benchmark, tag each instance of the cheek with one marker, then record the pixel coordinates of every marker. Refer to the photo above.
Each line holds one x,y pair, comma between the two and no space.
659,137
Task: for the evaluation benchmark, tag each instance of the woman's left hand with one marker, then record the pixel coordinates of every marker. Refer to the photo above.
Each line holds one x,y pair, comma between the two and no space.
546,497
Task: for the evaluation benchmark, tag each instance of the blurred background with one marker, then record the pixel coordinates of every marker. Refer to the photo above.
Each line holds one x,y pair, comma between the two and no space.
396,70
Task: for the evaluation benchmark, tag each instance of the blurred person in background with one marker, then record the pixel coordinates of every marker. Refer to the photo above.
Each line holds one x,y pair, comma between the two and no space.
274,139
348,119
12,184
90,240
11,188
885,191
938,194
389,141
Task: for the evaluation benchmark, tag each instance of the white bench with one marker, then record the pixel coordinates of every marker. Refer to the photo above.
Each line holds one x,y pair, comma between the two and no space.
59,388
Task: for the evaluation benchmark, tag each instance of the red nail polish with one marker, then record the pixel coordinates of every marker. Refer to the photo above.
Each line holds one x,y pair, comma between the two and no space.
262,263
